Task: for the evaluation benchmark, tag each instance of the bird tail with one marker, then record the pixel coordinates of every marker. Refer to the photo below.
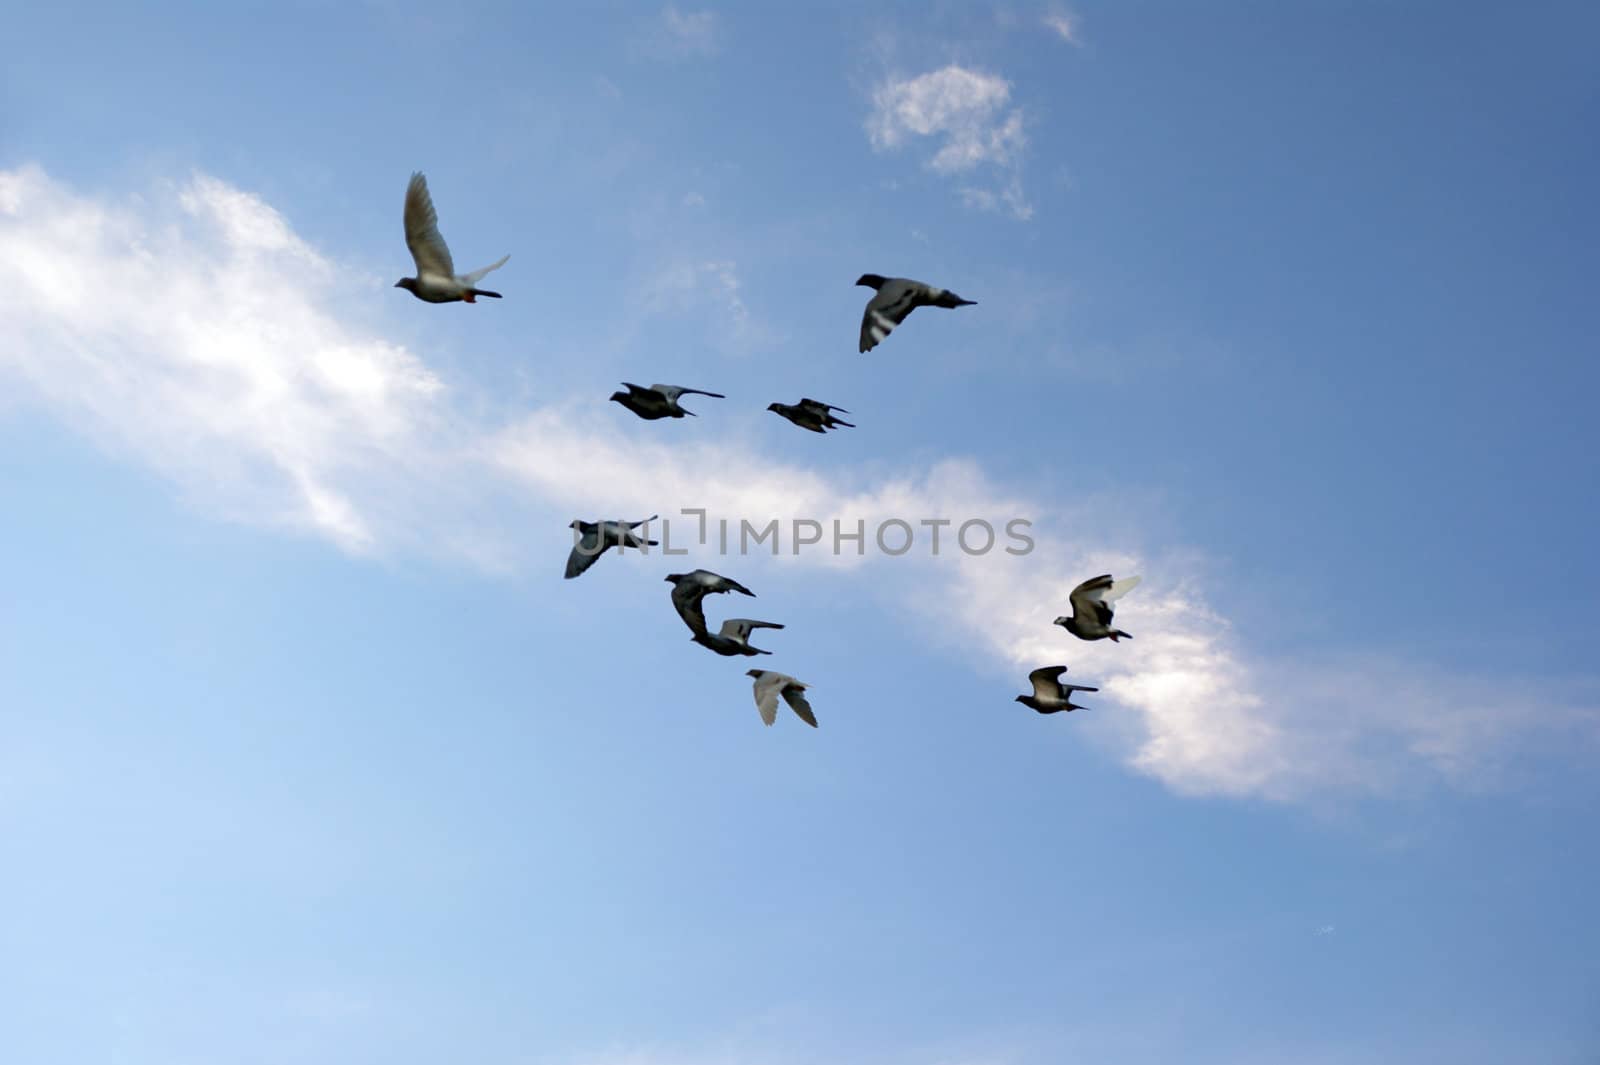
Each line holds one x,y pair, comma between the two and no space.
841,421
1118,634
484,292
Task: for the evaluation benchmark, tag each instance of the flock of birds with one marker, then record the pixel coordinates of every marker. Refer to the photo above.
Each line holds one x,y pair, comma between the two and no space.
893,299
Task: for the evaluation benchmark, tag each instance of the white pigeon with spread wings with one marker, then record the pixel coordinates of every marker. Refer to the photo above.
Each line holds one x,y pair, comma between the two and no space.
893,300
770,685
1092,611
436,280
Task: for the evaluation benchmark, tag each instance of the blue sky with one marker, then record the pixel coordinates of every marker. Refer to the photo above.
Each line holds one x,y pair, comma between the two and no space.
308,753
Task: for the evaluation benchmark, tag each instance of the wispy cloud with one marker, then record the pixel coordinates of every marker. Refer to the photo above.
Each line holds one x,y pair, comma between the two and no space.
968,116
192,334
678,35
1063,25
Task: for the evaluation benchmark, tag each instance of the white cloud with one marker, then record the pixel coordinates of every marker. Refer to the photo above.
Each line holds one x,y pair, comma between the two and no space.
969,115
680,35
195,335
686,283
1064,25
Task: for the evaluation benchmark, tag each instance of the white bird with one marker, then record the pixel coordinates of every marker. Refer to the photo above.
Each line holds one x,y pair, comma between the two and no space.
734,637
811,414
1091,608
659,401
688,589
895,298
770,685
595,538
436,280
1050,696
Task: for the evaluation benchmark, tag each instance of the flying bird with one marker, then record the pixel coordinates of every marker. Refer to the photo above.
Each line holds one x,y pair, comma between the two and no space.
770,685
1091,608
688,589
595,538
897,297
811,414
734,637
436,280
1050,696
658,401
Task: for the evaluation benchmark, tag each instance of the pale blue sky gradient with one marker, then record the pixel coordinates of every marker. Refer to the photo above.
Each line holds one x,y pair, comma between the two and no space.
1300,319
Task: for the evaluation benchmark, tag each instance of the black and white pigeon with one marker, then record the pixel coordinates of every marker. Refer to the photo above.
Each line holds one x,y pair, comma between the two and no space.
436,280
1091,608
811,414
897,297
734,637
770,685
1050,696
659,401
688,589
595,538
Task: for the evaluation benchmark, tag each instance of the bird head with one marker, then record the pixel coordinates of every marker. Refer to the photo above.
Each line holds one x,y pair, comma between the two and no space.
873,281
754,673
1023,699
775,407
618,397
407,283
574,524
674,577
1062,621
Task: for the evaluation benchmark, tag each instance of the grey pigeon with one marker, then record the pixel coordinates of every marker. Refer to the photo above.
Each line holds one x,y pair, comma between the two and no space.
1050,696
734,637
688,589
436,280
811,414
595,538
658,401
1091,608
770,685
897,297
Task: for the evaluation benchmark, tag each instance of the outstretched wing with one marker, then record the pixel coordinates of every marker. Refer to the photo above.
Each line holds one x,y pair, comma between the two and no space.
674,391
477,275
428,249
766,689
818,405
741,628
793,694
886,309
585,553
1046,682
686,601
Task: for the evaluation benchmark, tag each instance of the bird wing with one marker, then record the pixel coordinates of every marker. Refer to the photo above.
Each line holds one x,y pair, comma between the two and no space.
585,553
818,405
477,275
428,249
1118,589
1086,597
886,309
766,689
741,628
674,391
686,599
1046,682
793,694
